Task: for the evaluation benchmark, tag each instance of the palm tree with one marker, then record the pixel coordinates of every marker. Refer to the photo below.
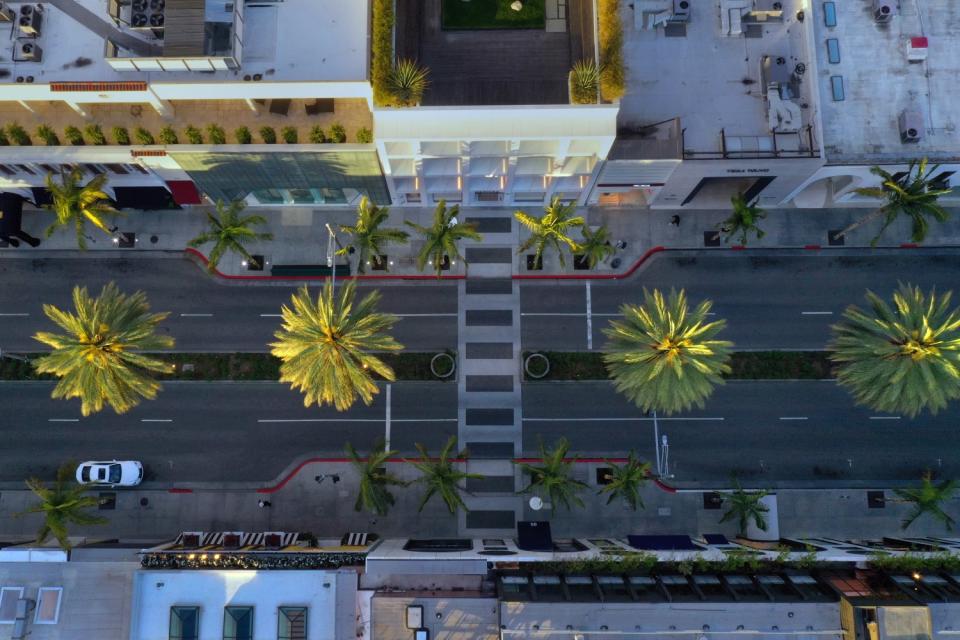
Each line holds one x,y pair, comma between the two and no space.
76,204
663,356
900,359
96,358
553,476
596,246
441,477
551,229
746,506
325,346
442,237
928,498
911,194
229,231
368,237
374,493
627,480
743,220
61,505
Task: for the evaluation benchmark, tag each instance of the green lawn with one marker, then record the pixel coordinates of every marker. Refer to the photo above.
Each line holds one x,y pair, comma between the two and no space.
492,14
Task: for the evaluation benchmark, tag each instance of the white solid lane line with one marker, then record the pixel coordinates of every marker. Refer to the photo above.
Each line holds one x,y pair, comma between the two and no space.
156,420
399,315
63,419
793,418
196,315
14,315
376,420
641,419
816,313
270,315
589,319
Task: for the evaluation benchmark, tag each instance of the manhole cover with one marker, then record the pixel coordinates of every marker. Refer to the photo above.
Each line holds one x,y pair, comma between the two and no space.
154,239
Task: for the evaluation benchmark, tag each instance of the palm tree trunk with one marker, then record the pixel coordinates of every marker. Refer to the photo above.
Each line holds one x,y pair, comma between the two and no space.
862,221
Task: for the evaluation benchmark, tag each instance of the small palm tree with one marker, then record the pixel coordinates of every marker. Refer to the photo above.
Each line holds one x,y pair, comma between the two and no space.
442,236
596,246
441,477
743,220
324,346
407,82
900,359
746,506
63,504
76,204
553,478
928,498
96,359
912,194
229,231
627,480
551,229
663,356
374,492
585,82
368,237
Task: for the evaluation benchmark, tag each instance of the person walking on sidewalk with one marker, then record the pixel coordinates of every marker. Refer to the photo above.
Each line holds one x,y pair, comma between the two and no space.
264,503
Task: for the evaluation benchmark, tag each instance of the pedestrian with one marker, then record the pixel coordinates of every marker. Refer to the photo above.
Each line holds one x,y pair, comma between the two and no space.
675,220
264,503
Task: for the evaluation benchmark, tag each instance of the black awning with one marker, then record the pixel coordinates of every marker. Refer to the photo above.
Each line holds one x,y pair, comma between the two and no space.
145,198
715,538
41,196
11,213
534,536
662,543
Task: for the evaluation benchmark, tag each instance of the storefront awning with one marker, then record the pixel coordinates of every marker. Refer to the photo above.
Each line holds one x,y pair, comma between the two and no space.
144,198
11,213
184,192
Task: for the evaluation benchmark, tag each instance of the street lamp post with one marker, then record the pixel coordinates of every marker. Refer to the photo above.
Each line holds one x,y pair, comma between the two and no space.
661,448
331,255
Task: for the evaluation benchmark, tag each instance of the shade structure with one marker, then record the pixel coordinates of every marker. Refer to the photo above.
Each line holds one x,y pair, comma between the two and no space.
534,536
184,192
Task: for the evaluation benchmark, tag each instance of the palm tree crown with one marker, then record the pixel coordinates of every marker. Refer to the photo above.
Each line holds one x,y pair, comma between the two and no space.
746,506
627,480
374,492
928,498
553,476
663,356
596,246
61,505
76,204
442,236
228,231
95,359
900,359
368,237
743,220
912,194
552,229
324,346
441,477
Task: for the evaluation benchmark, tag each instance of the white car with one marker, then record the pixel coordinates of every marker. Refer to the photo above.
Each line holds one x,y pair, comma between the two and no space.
114,473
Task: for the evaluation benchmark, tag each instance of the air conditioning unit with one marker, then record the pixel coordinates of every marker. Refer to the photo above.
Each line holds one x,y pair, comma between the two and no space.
884,10
681,10
6,13
28,51
30,20
911,126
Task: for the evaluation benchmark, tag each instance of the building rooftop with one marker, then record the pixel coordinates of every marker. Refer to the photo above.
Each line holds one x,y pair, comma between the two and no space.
732,72
879,82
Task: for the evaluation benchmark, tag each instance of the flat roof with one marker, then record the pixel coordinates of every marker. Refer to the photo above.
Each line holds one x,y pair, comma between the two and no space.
445,615
879,82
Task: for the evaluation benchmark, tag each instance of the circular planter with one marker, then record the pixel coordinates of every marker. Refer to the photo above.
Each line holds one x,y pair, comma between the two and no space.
443,365
536,366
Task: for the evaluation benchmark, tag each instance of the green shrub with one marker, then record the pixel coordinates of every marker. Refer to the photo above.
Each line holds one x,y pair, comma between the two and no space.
407,82
243,135
94,134
268,134
73,136
338,133
168,135
216,134
584,82
121,135
46,133
4,141
143,136
364,135
317,135
289,135
612,81
381,62
193,135
18,135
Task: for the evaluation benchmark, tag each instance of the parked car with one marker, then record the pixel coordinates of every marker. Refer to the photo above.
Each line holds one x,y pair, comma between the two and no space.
114,473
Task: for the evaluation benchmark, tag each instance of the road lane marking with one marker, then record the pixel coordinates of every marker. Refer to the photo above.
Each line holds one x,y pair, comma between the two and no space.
884,417
377,420
816,313
569,315
196,315
794,418
156,420
642,419
386,439
424,315
271,315
14,315
589,320
63,419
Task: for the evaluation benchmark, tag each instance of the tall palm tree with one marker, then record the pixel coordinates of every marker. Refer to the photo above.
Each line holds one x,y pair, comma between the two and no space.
596,246
374,492
553,478
63,504
663,356
324,346
442,236
440,476
929,498
743,220
368,237
746,506
76,204
902,358
229,231
552,229
627,480
912,194
96,359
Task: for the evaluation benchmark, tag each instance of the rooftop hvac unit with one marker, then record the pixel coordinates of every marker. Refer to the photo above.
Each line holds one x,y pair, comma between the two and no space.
6,13
28,51
681,10
139,20
30,20
911,126
883,10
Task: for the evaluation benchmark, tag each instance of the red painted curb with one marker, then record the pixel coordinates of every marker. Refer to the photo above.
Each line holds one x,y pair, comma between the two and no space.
909,245
179,490
738,247
600,276
812,247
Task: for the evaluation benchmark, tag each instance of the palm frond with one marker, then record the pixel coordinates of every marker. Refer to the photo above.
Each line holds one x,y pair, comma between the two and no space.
442,237
744,219
553,477
367,236
627,481
61,504
551,230
374,493
441,477
75,204
229,231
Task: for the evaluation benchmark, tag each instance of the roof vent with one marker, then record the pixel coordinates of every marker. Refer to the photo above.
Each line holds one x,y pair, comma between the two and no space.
883,10
917,49
911,126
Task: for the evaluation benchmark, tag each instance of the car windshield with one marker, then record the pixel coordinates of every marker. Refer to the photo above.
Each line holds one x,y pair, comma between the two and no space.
114,474
85,474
